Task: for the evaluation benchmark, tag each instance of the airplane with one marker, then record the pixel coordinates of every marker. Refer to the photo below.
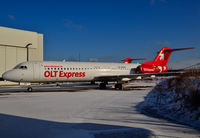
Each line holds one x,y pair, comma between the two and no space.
56,71
129,60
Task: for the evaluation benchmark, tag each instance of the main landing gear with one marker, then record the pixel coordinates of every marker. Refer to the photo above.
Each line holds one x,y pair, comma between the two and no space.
103,85
118,86
92,82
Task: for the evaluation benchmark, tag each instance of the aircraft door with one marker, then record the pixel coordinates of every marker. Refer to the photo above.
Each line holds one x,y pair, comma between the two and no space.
36,71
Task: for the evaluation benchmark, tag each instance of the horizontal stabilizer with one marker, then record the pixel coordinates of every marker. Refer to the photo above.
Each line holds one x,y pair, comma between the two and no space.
129,60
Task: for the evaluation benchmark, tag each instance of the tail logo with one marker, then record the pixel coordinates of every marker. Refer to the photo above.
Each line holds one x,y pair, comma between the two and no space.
160,68
161,56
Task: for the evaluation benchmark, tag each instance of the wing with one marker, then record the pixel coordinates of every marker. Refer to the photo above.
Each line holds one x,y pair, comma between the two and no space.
135,76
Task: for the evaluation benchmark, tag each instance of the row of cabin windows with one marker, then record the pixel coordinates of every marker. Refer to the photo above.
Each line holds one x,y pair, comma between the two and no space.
76,68
67,68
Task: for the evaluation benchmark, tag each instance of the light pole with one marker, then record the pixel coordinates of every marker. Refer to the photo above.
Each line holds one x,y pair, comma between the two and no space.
27,46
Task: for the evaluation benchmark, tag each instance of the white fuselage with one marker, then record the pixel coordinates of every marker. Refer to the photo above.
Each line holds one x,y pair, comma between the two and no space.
52,71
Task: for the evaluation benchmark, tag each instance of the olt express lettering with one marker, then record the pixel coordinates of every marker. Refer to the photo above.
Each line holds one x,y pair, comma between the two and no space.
56,73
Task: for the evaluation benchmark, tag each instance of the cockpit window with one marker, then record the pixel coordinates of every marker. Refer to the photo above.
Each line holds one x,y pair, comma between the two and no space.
16,67
23,67
20,67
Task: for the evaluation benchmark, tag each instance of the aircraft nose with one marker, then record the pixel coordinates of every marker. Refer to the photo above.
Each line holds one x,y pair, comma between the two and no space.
6,75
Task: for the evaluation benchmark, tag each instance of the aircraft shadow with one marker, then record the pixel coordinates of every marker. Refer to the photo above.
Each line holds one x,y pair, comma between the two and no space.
24,127
66,88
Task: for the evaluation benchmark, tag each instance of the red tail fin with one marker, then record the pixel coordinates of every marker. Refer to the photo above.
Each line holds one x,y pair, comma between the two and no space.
160,62
163,56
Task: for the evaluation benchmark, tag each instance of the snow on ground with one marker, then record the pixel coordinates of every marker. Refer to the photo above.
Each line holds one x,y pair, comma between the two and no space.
89,113
175,99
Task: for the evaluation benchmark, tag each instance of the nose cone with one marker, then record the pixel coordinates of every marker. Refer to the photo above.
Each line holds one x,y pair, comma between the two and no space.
7,76
12,75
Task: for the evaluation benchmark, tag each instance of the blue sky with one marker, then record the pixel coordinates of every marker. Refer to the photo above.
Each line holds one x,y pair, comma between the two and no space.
109,29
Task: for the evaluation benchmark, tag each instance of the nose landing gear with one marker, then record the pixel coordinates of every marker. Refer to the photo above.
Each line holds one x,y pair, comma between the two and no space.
26,85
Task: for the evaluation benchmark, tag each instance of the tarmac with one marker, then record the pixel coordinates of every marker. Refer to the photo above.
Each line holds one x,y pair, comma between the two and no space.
82,111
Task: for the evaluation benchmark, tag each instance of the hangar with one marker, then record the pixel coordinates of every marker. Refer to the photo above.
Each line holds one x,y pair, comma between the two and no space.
17,46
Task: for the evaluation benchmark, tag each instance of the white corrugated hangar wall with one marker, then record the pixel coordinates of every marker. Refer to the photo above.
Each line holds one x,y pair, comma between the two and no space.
13,49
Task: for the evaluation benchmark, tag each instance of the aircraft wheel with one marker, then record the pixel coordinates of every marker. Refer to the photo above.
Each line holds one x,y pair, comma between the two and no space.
29,89
92,82
58,84
118,86
102,86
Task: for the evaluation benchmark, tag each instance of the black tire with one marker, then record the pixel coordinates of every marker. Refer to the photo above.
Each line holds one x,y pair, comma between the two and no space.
102,85
92,82
118,86
29,89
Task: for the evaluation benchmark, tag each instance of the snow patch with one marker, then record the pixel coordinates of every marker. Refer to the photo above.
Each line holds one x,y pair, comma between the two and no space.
176,99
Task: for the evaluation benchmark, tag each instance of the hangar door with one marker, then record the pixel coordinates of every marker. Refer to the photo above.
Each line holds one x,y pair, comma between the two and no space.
14,56
10,57
2,60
